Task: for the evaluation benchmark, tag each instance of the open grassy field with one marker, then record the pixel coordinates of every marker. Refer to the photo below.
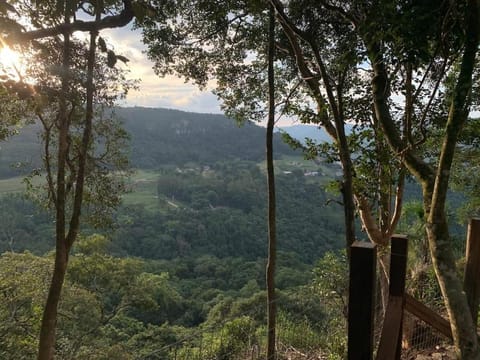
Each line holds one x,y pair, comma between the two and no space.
15,184
143,185
325,172
12,185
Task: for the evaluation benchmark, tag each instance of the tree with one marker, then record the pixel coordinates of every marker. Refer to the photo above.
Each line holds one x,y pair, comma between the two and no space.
401,71
76,167
433,177
272,235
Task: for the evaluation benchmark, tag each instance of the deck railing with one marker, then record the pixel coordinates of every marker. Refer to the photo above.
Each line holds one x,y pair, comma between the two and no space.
361,307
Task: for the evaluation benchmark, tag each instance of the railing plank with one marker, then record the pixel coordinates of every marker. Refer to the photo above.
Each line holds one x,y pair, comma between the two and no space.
429,316
472,268
391,332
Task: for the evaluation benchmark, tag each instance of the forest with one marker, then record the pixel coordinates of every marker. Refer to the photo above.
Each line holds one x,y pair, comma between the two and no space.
135,233
184,257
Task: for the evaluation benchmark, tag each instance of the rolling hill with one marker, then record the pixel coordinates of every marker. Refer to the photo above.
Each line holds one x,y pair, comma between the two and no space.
158,137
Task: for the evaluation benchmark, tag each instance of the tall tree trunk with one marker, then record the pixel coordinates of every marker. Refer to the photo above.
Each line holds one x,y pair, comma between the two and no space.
440,242
443,259
272,237
46,347
346,187
64,240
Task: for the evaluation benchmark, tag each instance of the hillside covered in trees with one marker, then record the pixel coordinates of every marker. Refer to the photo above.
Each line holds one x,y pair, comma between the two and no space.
158,137
193,224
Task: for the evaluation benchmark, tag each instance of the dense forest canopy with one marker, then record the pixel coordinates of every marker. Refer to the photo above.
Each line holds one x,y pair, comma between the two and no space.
194,230
218,187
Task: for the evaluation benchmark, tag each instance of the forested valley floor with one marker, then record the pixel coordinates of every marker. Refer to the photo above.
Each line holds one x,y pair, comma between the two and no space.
180,269
179,272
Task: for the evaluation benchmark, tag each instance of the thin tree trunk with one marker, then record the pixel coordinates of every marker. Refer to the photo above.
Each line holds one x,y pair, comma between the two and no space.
46,347
65,241
272,238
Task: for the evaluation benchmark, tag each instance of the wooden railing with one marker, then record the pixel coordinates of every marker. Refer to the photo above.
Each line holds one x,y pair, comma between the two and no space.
361,305
390,344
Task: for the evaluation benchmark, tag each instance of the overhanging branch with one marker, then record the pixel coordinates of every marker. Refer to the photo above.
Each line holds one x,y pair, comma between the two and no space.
108,22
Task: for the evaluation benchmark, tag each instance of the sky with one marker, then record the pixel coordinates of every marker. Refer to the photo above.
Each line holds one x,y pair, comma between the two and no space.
167,92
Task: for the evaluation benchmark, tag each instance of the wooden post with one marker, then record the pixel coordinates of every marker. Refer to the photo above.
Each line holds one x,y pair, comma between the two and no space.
471,283
398,272
363,262
398,264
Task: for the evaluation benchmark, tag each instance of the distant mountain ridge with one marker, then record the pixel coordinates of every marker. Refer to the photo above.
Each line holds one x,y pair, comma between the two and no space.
159,136
163,136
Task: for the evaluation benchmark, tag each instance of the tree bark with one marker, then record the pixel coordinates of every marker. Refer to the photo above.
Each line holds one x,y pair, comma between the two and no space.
272,237
463,331
46,347
108,22
440,243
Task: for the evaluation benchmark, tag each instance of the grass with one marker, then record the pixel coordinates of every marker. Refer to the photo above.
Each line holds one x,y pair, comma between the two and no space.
16,184
12,185
143,184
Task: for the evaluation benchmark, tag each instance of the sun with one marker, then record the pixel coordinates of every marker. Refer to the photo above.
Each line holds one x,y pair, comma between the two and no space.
10,61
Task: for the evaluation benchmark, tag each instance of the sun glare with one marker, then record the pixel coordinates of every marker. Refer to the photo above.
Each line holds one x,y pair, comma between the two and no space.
9,59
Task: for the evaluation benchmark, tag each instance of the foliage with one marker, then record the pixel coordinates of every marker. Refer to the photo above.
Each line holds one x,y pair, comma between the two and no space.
107,301
157,138
336,60
161,136
23,281
106,153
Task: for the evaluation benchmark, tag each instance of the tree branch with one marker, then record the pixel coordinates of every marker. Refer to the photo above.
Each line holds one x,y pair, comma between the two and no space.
307,75
398,203
108,22
370,225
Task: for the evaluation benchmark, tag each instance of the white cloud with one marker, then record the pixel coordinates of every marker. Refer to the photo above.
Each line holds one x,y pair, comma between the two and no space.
154,91
167,92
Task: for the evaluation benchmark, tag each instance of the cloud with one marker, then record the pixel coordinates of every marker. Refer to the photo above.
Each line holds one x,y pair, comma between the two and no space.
167,92
154,91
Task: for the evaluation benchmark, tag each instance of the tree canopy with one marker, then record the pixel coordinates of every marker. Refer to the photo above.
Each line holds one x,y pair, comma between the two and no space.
401,71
